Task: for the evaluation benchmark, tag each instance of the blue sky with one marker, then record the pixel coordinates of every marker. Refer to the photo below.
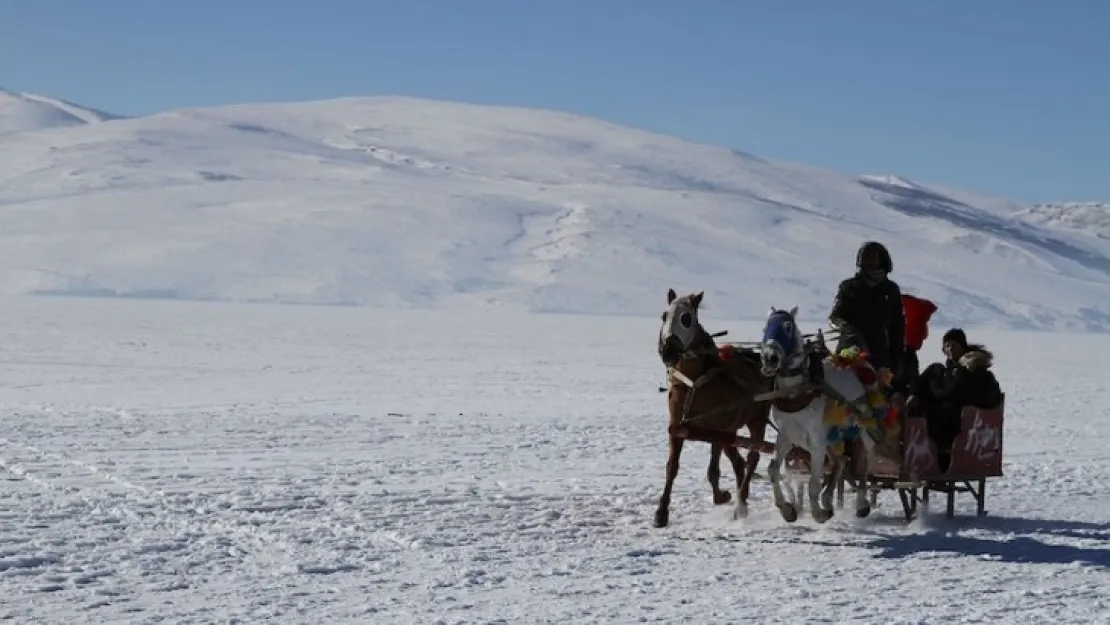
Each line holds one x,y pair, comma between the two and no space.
1007,97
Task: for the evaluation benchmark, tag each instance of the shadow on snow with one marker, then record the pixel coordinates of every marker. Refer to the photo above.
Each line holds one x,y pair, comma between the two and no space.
994,538
1021,544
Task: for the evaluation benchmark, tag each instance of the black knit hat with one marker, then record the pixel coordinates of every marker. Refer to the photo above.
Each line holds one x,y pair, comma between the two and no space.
956,335
874,247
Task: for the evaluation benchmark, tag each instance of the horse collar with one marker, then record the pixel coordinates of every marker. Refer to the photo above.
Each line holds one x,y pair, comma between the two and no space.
799,371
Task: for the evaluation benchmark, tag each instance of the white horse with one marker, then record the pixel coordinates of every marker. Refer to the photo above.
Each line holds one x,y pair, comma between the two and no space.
799,411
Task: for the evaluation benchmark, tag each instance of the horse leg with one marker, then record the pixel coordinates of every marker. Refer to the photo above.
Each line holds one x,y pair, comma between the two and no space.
714,475
757,431
663,512
861,467
817,452
774,473
795,497
839,464
816,476
737,461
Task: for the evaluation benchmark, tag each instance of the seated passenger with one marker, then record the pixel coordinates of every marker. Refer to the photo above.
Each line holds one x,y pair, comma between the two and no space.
942,390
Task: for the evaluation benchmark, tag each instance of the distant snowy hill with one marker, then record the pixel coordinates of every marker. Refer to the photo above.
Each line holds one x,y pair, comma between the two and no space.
404,202
25,112
1091,218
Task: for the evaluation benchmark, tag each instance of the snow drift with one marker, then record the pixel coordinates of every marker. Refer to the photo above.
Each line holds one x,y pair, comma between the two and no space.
25,112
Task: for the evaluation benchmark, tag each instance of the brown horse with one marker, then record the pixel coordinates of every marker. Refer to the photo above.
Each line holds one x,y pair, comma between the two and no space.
709,399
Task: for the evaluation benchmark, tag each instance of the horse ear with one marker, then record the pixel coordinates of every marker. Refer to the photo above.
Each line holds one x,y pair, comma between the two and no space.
697,298
671,295
794,312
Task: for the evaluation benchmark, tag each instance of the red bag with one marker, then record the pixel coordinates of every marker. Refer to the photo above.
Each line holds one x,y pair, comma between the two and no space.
917,311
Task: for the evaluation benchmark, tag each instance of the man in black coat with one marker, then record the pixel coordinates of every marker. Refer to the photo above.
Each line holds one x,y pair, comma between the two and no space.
868,309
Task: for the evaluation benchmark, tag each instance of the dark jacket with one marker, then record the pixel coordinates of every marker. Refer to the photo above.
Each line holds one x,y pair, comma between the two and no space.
870,317
943,390
968,382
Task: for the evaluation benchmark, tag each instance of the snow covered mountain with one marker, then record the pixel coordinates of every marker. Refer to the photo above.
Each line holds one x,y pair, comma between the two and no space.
393,201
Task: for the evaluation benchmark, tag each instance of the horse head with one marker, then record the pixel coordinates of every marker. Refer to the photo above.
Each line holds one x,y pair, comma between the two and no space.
783,345
681,331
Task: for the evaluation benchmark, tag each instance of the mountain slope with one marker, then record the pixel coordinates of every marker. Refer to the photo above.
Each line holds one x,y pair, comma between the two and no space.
406,202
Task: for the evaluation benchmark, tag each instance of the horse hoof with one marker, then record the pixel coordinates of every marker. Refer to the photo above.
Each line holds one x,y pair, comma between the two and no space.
822,516
722,497
863,512
740,512
789,513
662,517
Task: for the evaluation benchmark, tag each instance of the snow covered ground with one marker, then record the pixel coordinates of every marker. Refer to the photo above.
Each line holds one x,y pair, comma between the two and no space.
203,462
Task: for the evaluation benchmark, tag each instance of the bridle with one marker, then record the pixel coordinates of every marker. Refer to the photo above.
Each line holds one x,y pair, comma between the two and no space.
775,362
705,349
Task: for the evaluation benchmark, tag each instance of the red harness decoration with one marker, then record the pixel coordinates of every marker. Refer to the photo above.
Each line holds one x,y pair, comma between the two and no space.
726,352
859,364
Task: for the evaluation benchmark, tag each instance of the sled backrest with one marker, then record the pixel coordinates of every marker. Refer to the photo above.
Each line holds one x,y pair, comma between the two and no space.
977,450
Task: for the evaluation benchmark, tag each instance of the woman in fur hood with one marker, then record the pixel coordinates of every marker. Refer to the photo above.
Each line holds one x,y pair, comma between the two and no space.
942,391
965,378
